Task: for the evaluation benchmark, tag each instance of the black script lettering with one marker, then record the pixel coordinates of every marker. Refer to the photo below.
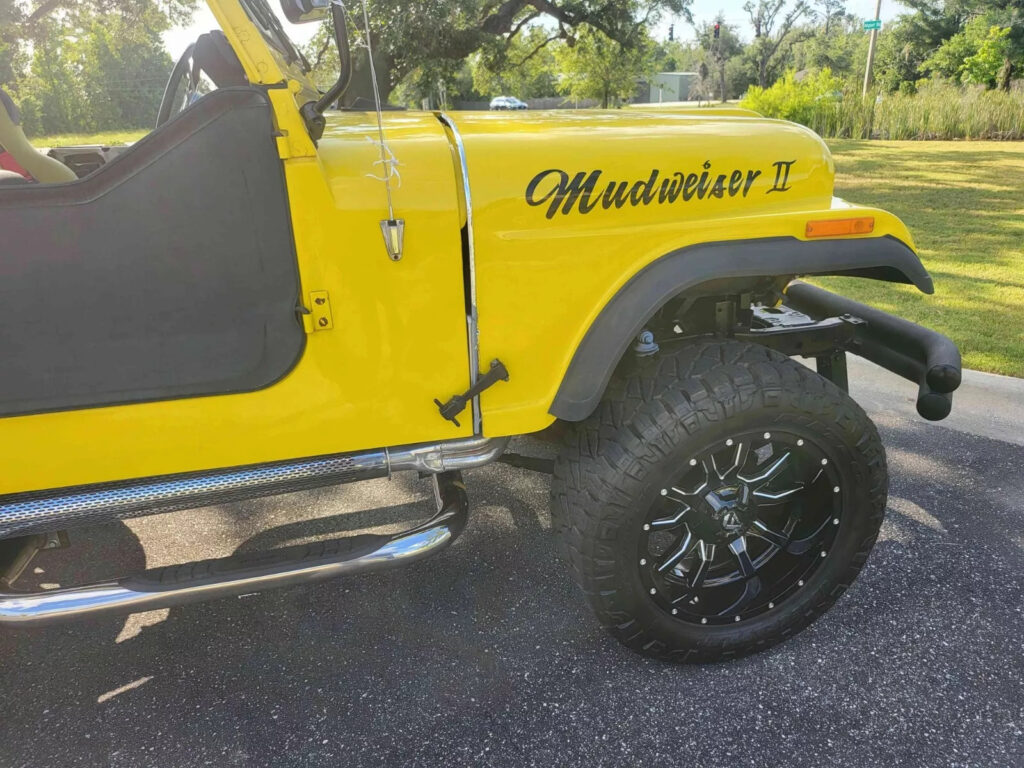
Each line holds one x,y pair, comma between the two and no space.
690,187
565,193
643,191
670,189
718,190
703,185
616,194
735,181
751,176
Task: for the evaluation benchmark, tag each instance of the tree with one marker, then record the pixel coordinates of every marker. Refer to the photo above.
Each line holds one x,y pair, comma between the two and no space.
948,59
427,35
78,65
831,12
594,66
50,97
843,50
772,34
27,15
993,43
73,68
677,56
719,50
524,68
937,22
985,64
899,56
124,69
31,22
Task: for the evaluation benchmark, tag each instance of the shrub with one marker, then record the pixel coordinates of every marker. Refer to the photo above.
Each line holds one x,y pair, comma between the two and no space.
983,67
801,101
938,109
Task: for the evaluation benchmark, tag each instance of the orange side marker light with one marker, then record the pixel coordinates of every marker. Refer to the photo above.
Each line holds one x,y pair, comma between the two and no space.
864,225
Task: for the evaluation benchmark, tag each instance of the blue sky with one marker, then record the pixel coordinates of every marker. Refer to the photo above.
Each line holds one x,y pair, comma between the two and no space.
176,40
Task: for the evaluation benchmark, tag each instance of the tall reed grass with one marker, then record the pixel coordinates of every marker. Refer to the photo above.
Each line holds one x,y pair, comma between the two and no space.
939,110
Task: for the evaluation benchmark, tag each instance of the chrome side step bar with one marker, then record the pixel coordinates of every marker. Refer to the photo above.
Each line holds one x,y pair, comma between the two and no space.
242,574
40,512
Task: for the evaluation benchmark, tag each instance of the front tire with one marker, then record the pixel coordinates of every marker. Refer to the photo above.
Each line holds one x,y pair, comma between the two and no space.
720,499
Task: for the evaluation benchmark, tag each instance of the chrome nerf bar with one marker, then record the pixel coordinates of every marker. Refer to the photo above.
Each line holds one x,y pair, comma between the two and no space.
251,572
24,514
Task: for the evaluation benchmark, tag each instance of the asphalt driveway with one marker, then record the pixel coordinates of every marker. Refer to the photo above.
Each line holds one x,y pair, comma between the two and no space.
486,656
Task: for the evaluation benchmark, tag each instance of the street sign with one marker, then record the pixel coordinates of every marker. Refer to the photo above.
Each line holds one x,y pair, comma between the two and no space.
872,24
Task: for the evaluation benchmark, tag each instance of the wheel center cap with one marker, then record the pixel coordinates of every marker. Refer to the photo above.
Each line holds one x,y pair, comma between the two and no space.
726,504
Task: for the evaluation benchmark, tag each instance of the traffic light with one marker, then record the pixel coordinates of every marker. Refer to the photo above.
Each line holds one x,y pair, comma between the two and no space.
718,30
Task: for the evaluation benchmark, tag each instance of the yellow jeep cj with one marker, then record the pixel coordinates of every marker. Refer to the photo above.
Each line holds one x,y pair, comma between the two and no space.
269,293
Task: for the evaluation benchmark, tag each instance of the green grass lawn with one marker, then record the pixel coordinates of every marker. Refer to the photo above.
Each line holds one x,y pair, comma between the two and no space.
78,139
964,205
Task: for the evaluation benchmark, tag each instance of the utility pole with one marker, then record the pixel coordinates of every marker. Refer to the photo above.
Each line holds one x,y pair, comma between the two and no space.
871,45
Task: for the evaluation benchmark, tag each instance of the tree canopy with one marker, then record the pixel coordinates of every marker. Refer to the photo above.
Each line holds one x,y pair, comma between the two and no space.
84,65
597,67
80,65
428,40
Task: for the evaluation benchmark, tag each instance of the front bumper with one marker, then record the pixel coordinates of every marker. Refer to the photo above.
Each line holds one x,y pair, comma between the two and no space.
921,355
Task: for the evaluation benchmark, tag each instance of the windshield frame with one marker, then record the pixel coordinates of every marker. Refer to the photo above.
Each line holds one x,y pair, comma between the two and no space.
269,26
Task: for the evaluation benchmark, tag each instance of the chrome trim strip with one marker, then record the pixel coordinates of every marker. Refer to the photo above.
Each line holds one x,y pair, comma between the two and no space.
221,578
22,514
450,456
472,319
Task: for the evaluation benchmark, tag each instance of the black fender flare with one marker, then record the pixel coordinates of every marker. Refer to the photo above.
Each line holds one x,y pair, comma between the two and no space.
622,319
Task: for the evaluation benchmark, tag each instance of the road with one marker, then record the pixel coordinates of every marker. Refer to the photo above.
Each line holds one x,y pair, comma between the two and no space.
486,656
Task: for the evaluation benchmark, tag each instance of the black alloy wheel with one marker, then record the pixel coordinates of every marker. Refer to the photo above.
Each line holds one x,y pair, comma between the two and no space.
746,524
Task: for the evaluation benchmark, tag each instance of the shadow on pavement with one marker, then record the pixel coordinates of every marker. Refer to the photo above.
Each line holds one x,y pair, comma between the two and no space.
485,655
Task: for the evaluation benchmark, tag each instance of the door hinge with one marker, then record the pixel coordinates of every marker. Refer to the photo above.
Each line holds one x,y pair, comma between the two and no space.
318,317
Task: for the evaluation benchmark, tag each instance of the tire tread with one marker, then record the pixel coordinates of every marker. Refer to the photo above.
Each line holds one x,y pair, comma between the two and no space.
653,404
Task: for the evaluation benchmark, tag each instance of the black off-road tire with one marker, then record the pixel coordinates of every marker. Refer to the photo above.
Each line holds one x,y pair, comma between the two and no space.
655,414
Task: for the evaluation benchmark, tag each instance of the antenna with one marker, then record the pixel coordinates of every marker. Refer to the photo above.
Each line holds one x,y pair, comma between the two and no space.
392,228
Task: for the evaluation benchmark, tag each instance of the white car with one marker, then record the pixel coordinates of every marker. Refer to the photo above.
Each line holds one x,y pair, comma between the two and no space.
507,102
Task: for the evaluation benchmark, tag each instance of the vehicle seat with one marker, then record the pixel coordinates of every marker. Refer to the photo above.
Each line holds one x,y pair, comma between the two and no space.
10,178
43,169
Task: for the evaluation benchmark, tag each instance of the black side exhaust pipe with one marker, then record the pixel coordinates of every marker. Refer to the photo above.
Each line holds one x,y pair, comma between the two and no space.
918,354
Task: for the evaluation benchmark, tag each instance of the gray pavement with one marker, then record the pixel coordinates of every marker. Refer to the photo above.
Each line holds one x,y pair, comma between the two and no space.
486,656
